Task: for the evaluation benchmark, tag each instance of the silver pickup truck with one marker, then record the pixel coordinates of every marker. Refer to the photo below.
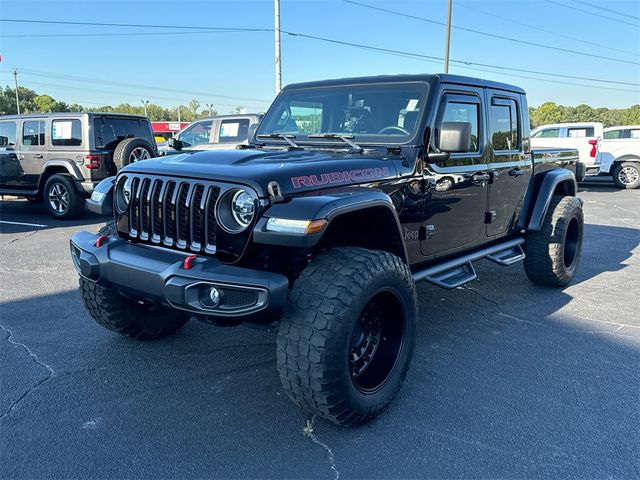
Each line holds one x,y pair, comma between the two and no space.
222,132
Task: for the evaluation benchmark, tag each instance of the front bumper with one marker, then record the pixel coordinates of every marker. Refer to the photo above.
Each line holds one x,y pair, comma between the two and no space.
159,275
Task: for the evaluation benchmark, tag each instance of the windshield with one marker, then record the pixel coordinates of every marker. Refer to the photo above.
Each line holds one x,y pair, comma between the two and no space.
375,113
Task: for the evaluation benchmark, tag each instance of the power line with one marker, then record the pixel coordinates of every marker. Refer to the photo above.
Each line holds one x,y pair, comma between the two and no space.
551,32
492,35
41,73
591,13
111,34
461,62
130,94
610,10
328,40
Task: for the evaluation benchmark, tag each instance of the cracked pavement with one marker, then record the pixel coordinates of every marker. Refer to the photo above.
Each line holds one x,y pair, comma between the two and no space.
508,379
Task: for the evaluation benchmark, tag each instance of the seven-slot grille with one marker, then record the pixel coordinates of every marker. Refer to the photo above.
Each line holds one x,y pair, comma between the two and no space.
173,213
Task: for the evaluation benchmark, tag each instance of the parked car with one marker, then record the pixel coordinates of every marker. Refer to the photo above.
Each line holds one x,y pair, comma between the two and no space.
59,158
583,136
325,222
222,132
619,155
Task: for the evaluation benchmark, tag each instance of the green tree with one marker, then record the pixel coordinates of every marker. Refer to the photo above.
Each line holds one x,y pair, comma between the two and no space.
45,104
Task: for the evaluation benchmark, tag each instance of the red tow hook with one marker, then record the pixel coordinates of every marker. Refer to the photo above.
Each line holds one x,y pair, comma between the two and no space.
188,262
100,240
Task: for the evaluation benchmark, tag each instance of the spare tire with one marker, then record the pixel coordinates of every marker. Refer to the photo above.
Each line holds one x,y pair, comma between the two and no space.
132,150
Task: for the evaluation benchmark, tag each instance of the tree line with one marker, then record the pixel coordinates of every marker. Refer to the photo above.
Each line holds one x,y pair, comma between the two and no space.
549,112
32,102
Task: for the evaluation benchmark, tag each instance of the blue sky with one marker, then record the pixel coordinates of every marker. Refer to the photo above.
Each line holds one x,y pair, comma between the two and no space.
173,68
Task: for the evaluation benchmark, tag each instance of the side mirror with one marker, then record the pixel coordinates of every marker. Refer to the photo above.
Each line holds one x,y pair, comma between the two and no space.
252,131
454,137
174,143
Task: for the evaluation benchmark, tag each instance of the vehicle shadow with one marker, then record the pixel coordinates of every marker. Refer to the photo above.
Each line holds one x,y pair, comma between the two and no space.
21,216
507,381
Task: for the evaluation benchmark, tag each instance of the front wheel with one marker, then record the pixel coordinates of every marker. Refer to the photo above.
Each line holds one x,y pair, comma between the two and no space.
346,337
552,254
627,175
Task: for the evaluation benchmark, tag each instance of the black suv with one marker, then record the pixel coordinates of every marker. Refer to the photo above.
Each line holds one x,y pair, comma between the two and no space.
59,158
350,192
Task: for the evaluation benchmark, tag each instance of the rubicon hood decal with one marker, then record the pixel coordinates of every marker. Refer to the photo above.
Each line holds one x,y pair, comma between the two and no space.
349,176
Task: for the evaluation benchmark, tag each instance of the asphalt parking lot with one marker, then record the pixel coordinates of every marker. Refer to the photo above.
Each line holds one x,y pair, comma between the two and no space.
509,379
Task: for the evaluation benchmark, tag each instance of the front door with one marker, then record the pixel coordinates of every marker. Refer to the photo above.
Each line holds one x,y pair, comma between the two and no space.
10,167
455,204
510,164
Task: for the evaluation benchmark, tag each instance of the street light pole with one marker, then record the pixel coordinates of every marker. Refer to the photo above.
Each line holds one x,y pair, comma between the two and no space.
277,39
145,103
15,77
210,107
448,40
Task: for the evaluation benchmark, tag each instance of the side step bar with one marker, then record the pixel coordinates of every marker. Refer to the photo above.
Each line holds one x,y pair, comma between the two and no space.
458,271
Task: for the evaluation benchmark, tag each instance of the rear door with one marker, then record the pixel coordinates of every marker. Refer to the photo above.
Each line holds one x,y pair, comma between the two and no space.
510,163
32,152
230,132
455,207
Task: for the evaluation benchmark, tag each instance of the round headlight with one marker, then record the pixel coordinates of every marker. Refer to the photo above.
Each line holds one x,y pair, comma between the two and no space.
123,193
242,207
235,210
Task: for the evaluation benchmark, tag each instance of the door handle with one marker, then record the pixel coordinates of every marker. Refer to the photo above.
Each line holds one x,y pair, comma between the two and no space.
480,177
38,155
516,172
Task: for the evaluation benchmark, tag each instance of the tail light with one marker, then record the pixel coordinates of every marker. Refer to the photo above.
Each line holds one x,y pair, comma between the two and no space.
594,150
93,162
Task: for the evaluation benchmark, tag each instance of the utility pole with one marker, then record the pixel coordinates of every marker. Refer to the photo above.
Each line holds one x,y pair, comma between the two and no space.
15,77
145,103
210,107
448,40
277,32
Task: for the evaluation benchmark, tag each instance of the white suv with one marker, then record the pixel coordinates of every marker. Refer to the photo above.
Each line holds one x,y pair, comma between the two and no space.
583,136
619,155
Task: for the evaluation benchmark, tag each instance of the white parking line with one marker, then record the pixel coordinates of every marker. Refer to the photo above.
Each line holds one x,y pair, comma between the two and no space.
25,224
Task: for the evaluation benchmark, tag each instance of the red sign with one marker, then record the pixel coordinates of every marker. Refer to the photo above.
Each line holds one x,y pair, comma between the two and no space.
168,127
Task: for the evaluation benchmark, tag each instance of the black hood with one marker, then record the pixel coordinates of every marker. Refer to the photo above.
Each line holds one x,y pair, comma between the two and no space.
294,170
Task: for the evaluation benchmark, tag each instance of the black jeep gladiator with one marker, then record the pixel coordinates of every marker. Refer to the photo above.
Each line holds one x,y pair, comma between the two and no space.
349,193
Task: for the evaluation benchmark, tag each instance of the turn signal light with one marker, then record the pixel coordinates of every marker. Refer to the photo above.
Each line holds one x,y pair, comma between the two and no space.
100,240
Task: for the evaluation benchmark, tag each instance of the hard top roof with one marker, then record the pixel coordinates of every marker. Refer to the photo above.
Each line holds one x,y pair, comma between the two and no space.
69,114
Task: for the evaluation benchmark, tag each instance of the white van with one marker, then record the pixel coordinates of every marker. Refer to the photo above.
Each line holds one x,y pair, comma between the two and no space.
584,136
619,155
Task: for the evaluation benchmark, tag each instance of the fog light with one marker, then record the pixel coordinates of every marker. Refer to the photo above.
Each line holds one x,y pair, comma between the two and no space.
214,296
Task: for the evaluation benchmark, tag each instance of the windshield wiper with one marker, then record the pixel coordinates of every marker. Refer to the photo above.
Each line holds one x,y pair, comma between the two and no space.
281,136
345,138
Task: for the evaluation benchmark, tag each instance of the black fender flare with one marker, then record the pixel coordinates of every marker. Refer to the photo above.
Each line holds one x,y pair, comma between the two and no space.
322,206
544,187
101,200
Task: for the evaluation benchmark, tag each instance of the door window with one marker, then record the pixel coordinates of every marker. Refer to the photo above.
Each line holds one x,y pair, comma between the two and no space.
233,130
8,134
66,133
613,134
547,133
504,125
581,132
33,133
196,134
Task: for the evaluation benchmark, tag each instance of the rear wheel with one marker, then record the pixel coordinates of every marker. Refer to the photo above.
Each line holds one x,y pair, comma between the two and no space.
553,253
627,175
346,337
137,319
61,197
